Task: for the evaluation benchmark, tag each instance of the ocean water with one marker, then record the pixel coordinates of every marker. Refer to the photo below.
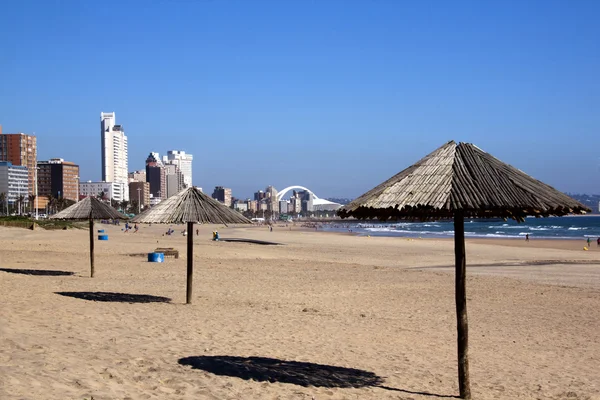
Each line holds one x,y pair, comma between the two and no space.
539,228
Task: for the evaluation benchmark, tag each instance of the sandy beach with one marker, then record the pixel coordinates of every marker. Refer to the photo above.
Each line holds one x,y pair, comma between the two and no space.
321,316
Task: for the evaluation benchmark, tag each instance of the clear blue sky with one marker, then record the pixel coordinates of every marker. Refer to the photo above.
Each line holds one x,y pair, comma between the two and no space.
333,95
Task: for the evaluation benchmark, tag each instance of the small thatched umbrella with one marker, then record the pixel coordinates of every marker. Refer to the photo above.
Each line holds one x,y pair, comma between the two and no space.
458,181
90,209
191,206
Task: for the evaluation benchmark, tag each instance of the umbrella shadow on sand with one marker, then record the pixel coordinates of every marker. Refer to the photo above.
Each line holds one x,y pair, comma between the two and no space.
116,297
37,272
264,369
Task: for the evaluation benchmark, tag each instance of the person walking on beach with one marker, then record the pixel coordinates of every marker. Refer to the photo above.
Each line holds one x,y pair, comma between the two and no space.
588,242
599,242
527,237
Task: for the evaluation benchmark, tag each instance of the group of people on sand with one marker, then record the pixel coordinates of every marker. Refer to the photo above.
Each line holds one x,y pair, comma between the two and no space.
589,242
128,227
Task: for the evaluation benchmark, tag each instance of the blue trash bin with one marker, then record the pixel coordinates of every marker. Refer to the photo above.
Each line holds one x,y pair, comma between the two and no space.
156,257
102,237
100,230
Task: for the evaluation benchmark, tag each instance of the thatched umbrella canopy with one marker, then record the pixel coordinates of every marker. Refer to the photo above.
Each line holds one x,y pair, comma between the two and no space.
458,181
191,206
90,209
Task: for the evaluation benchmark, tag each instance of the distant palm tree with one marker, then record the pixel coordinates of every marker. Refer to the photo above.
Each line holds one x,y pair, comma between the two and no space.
124,205
114,203
2,201
31,199
133,206
64,203
20,201
50,203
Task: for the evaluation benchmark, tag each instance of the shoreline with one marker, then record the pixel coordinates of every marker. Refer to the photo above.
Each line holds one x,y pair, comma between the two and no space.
574,244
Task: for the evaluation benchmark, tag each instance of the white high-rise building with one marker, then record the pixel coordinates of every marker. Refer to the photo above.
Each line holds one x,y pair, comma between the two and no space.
112,190
183,161
114,151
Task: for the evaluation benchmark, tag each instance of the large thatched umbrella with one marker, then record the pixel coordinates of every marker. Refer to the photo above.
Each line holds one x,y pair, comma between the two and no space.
90,209
458,181
191,206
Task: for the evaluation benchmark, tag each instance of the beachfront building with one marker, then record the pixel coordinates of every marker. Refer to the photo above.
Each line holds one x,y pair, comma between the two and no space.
258,196
174,180
283,206
20,149
156,177
14,182
183,161
263,205
273,201
105,190
57,178
137,176
223,195
114,151
252,205
154,200
140,192
307,201
295,203
240,205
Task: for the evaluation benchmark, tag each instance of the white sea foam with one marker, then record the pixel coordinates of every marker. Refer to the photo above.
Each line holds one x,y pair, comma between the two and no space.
490,235
571,229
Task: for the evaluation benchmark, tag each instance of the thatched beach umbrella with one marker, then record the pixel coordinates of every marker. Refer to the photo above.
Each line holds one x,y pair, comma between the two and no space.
90,209
191,206
458,181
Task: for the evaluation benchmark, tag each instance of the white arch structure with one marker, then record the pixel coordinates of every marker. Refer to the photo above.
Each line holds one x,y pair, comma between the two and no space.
287,189
317,202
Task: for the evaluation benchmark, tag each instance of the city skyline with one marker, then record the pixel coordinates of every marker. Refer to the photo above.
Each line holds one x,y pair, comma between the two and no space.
301,106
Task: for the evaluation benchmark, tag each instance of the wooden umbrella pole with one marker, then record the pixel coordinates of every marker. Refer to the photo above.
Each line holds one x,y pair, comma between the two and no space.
92,247
462,323
190,261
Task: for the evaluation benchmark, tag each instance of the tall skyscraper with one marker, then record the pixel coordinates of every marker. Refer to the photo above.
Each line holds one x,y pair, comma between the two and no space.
183,161
20,150
114,151
156,176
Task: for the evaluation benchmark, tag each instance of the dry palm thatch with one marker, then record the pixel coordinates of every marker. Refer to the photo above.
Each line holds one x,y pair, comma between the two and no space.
191,205
461,178
461,181
89,208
